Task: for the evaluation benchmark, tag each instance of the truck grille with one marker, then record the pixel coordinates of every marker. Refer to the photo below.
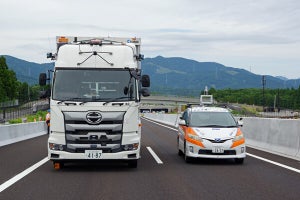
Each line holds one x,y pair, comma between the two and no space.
105,136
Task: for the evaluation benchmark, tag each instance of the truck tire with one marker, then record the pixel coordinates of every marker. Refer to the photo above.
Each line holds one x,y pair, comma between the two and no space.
58,165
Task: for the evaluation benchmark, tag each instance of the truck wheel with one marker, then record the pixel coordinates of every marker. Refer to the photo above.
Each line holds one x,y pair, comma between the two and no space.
58,165
132,163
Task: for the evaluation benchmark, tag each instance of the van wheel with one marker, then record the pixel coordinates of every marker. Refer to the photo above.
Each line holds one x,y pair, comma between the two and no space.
239,160
132,163
180,153
186,158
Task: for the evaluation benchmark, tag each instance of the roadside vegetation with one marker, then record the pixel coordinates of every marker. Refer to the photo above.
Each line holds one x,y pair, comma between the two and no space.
278,98
39,116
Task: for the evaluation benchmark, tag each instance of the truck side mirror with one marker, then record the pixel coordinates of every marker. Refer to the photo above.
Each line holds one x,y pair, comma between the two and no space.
145,81
42,79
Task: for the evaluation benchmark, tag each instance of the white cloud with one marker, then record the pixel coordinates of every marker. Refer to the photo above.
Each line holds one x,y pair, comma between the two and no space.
264,34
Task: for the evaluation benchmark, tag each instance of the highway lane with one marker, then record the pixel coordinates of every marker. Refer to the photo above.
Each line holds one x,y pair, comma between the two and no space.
174,179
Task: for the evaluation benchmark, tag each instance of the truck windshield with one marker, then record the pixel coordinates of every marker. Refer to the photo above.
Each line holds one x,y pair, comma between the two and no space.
94,85
212,119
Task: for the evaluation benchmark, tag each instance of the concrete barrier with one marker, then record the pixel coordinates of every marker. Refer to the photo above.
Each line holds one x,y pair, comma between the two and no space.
18,132
170,119
278,136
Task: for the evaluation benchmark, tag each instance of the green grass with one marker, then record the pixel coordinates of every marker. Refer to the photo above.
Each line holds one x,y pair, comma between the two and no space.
30,118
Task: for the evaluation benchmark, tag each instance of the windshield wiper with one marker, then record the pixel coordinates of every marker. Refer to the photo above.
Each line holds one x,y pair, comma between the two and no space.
70,103
216,126
115,99
210,125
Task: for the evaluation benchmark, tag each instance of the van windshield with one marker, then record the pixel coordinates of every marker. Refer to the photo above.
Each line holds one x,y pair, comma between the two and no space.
212,119
93,85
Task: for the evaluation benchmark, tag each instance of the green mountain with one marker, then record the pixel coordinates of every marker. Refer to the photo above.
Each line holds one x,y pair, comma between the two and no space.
184,76
27,71
175,76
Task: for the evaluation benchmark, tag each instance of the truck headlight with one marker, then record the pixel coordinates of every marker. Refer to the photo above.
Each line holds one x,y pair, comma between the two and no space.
130,147
56,147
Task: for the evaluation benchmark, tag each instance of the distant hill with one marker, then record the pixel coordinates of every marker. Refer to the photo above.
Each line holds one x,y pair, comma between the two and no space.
282,78
181,74
27,71
177,76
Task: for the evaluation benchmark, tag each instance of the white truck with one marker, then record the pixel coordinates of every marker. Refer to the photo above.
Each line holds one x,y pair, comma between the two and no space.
96,90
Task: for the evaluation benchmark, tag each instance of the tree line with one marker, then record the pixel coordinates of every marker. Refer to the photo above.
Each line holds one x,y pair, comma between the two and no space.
288,98
12,89
271,98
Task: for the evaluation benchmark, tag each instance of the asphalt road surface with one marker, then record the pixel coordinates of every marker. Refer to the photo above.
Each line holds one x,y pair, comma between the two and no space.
161,174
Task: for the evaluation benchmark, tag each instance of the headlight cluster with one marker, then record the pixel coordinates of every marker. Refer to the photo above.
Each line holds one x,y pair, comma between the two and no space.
195,137
56,147
238,137
130,147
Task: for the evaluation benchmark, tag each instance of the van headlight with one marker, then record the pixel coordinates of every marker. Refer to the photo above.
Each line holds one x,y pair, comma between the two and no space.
238,137
195,137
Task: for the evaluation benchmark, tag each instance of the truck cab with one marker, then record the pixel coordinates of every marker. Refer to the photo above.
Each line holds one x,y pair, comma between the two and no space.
96,90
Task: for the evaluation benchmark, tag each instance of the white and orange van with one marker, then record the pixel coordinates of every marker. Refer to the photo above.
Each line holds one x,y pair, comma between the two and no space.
210,132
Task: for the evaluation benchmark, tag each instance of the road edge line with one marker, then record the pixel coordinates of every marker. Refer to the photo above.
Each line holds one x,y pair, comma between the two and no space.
21,175
274,163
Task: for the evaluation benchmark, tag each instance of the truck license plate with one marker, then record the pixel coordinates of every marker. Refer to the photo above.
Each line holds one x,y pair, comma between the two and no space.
93,154
218,150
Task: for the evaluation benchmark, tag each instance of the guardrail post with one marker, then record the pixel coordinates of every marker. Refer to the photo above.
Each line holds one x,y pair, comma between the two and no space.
4,114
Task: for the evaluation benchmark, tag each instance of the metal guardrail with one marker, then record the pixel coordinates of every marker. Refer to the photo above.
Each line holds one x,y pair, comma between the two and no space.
29,108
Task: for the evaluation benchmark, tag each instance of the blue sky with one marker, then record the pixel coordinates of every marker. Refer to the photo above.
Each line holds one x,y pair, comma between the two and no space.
261,36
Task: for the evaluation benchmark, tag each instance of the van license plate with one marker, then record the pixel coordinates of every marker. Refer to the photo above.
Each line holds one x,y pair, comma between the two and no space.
93,154
218,150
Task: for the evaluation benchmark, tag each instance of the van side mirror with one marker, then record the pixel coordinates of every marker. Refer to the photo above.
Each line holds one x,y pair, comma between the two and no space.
145,92
42,79
240,122
182,122
145,81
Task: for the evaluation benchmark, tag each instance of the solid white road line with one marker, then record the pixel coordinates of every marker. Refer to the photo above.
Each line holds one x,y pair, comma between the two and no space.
154,156
21,175
254,156
174,129
274,163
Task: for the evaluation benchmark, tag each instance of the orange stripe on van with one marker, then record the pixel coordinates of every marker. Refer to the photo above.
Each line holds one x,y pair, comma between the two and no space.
238,142
189,130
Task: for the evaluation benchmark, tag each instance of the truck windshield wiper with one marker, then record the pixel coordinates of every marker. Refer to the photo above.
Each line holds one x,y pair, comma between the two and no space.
115,99
66,101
